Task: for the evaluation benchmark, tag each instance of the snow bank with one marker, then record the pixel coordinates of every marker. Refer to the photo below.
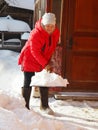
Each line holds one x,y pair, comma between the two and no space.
25,4
71,115
25,36
12,25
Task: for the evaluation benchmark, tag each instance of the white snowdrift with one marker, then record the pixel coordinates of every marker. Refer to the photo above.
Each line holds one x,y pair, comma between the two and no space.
25,4
45,78
25,36
71,115
12,25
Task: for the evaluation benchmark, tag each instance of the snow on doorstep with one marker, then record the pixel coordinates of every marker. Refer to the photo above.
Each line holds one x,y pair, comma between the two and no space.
45,78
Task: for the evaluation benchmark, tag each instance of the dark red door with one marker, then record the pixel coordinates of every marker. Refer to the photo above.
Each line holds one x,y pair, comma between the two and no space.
80,62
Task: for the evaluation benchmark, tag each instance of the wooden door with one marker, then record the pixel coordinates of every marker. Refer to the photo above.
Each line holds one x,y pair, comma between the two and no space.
80,59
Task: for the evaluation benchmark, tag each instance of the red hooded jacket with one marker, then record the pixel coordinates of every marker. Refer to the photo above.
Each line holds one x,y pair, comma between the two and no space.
37,52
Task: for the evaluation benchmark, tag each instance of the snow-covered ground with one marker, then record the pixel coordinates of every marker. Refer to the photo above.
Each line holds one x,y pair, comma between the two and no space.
69,115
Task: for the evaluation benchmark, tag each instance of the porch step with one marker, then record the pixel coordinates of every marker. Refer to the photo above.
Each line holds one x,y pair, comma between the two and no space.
77,95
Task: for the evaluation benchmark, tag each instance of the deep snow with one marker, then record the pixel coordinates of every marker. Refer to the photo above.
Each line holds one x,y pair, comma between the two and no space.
70,115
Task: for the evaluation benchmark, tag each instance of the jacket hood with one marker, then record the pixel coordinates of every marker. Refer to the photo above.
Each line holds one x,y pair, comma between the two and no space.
39,27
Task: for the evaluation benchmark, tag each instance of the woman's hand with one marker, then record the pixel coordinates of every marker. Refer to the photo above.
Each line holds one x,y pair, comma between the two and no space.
49,67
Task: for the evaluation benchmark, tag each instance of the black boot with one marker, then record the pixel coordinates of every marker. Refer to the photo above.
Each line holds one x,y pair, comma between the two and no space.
44,106
26,92
43,97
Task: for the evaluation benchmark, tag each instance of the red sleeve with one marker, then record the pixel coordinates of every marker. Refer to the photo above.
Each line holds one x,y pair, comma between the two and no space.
36,47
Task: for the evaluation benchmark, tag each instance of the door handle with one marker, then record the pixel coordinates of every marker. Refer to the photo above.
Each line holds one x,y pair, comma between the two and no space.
70,43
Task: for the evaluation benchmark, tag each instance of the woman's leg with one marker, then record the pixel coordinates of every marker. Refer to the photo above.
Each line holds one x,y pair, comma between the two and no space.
43,97
27,78
44,105
26,89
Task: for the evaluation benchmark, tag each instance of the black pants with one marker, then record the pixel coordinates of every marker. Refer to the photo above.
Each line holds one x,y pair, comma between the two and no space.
43,90
27,78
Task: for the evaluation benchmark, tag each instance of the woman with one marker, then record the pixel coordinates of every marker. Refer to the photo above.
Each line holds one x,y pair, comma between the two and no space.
36,55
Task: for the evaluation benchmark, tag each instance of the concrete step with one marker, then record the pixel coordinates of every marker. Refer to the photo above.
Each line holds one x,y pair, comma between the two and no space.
77,95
